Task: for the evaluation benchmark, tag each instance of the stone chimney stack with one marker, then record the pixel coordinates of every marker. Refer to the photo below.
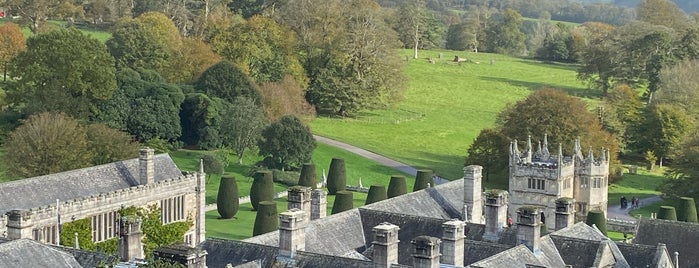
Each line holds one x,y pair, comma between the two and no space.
188,257
130,245
529,228
495,213
565,212
473,200
319,204
453,242
292,233
385,245
146,165
19,224
300,197
426,252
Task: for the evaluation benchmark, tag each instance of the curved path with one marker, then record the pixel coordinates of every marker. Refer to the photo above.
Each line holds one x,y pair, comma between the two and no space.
613,211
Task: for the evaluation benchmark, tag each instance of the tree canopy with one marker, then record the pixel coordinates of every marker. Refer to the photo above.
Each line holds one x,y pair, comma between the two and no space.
287,143
11,43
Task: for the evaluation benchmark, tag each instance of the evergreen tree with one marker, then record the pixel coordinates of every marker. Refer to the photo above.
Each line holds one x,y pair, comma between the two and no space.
397,186
308,175
287,143
262,188
376,194
596,217
688,210
267,219
343,201
336,176
227,202
667,213
422,179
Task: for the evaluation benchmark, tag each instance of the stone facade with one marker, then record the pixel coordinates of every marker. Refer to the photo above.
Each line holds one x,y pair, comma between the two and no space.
538,178
179,197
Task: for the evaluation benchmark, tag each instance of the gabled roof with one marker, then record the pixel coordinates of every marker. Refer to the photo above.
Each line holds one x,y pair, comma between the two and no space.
30,253
519,256
679,237
443,201
222,252
637,255
580,230
44,190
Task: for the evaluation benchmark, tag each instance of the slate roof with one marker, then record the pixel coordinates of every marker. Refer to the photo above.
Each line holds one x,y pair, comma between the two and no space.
519,256
44,190
30,253
443,201
637,255
577,252
679,237
89,258
222,252
475,251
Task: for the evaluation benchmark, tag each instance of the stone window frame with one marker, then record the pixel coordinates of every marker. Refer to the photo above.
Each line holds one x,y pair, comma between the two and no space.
104,226
536,184
172,209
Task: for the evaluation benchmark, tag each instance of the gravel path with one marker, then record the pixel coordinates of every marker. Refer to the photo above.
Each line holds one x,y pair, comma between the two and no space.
615,211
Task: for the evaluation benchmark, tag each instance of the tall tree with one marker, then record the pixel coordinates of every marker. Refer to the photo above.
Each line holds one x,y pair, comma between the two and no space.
680,87
227,81
682,178
287,143
32,13
411,23
662,129
620,110
63,71
662,12
11,43
490,150
505,35
108,145
243,126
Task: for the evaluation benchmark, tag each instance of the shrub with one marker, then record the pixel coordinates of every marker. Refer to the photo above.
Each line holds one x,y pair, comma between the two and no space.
596,217
227,199
288,178
688,210
266,219
423,178
376,194
336,176
397,186
343,201
308,176
212,165
262,188
667,213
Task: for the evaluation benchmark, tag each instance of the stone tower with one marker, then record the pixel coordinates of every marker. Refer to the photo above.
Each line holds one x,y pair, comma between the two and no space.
539,178
473,197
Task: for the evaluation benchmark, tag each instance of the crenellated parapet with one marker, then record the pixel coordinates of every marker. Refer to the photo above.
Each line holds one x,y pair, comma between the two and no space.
539,163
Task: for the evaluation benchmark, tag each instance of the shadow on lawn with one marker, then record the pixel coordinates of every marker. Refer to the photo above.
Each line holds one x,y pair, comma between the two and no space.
584,93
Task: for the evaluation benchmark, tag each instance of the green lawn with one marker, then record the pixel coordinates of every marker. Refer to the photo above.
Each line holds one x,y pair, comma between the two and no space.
642,185
654,208
445,106
98,34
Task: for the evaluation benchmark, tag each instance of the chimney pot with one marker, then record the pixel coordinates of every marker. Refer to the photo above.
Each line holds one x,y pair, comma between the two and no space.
453,242
292,235
146,165
385,244
426,252
529,227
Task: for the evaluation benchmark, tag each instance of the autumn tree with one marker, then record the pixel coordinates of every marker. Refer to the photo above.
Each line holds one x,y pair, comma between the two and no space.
242,127
620,110
287,143
682,178
283,98
11,43
32,13
62,71
680,87
662,12
192,59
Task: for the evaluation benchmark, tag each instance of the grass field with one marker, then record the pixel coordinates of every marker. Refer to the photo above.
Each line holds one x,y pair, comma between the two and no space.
642,185
98,34
445,106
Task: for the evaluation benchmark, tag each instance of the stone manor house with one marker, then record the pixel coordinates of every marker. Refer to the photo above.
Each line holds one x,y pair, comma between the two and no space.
30,208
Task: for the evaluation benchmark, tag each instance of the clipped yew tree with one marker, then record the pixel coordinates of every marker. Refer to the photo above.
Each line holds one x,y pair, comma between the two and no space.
227,202
266,219
262,188
343,201
308,175
422,179
688,210
596,217
376,194
336,176
667,213
397,186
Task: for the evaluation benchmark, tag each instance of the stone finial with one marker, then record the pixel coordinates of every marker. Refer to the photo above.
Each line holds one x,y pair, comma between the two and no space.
76,242
545,148
590,154
603,155
201,166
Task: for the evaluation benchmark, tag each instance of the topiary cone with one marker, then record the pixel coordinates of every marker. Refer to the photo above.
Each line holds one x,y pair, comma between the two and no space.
397,186
262,188
343,201
667,213
227,202
422,179
688,210
308,176
266,219
376,194
596,217
336,176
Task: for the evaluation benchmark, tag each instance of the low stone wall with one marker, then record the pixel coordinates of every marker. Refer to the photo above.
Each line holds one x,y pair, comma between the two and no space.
621,226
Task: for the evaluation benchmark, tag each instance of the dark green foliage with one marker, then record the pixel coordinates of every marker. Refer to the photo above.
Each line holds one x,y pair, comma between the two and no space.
397,186
505,35
109,246
286,144
661,130
343,201
376,193
596,217
212,164
490,150
84,230
200,117
667,213
262,188
227,199
688,210
247,8
266,219
336,176
155,233
227,81
422,179
308,176
288,178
